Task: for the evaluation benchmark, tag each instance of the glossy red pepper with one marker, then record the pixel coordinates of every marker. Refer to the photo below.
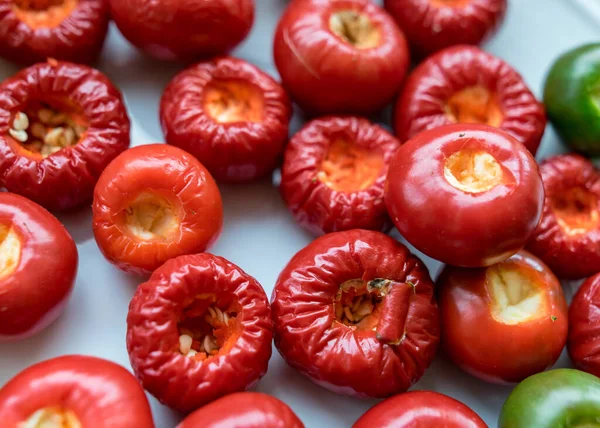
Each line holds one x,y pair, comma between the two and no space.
38,266
243,410
420,409
69,30
450,187
333,175
74,391
185,30
432,25
153,203
332,322
467,85
584,327
568,236
342,56
505,322
65,177
230,115
225,317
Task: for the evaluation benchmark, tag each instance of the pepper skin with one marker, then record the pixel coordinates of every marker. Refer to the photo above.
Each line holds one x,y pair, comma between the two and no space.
183,30
432,25
420,409
557,398
340,56
568,236
243,410
73,31
153,203
465,84
448,187
89,391
153,330
230,115
312,328
584,325
334,172
65,179
36,280
516,306
572,98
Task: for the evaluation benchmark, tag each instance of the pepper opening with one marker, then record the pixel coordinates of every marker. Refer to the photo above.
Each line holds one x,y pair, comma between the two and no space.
10,250
207,327
44,13
576,210
515,292
52,417
229,101
378,305
152,217
45,128
474,104
472,171
349,168
355,29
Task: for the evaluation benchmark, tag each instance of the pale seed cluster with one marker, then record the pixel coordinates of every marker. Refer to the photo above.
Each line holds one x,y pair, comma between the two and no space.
361,307
46,132
208,343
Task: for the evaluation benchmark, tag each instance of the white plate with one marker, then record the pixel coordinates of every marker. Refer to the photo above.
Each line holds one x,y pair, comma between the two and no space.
259,235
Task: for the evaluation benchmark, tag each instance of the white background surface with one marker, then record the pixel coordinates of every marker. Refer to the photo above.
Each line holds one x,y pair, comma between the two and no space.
259,235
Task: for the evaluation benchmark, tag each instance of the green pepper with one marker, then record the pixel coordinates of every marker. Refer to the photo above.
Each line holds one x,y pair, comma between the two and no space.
572,98
561,398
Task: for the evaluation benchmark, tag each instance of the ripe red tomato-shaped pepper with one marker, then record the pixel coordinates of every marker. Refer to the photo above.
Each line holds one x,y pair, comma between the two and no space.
60,125
74,391
38,265
355,312
568,236
341,56
450,187
420,409
244,410
584,327
432,25
464,84
334,172
185,30
69,30
505,322
199,329
153,203
229,114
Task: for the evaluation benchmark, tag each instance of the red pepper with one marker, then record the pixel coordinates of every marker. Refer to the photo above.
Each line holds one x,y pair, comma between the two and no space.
584,327
37,270
420,409
64,179
230,115
432,25
243,409
183,30
331,301
567,238
152,203
333,175
155,325
79,391
69,30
